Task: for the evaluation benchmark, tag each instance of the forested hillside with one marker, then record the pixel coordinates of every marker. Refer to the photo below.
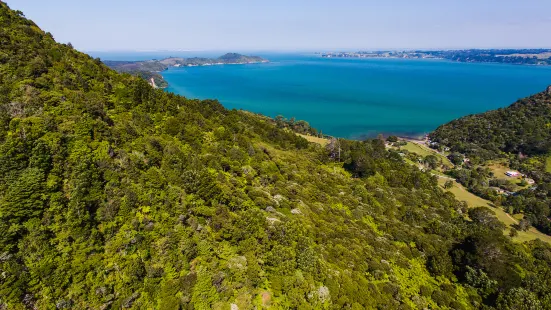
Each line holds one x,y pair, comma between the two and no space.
117,195
519,134
524,127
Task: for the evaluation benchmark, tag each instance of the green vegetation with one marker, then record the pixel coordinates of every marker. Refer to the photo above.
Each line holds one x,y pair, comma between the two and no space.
511,222
157,78
416,148
462,194
426,151
318,140
548,164
517,137
163,64
520,128
149,69
115,195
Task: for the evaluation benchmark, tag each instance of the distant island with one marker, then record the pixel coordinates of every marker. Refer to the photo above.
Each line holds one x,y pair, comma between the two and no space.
150,69
509,56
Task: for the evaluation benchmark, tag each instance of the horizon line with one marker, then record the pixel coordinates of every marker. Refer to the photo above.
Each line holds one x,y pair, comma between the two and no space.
311,49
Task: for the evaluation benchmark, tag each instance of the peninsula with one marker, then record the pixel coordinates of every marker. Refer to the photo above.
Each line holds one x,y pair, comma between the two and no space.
149,69
509,56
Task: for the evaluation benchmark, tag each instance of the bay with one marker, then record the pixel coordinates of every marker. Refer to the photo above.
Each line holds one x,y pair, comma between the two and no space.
359,98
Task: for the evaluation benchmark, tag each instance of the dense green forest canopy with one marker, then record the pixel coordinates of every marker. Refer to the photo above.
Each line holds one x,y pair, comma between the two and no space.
524,127
520,134
115,195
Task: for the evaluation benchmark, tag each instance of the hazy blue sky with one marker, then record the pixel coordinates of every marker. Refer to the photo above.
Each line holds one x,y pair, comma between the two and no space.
291,24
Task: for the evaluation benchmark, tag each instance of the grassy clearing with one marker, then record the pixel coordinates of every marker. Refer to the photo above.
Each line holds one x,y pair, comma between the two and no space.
320,141
499,168
474,201
425,151
463,195
548,164
416,148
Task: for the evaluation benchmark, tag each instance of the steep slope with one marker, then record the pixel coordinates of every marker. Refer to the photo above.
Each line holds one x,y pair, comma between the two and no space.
523,127
116,195
519,134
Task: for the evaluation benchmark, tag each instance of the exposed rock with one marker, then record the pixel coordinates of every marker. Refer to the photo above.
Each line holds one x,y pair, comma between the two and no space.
128,302
234,307
266,298
270,209
5,256
248,169
323,293
149,226
272,220
105,305
217,281
296,211
182,218
549,90
101,290
239,262
111,152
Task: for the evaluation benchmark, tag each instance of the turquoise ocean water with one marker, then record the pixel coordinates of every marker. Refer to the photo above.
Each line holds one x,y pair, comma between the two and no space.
356,98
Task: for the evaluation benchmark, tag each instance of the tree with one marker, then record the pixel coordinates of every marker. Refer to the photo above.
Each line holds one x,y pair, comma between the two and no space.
518,299
478,279
524,224
456,158
448,184
431,161
485,217
280,121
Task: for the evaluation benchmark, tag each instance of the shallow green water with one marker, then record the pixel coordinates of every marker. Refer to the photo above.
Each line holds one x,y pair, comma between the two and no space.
356,98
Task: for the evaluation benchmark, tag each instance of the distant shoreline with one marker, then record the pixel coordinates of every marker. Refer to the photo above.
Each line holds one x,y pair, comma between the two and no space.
150,69
535,57
217,64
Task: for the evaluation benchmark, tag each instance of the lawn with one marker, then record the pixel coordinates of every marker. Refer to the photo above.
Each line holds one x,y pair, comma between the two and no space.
499,168
425,151
474,201
320,141
463,195
548,164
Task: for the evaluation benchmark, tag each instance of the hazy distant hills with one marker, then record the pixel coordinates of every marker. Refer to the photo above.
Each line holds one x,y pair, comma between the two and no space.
149,69
163,64
541,57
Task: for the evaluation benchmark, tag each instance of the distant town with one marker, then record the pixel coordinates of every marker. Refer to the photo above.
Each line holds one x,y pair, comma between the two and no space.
510,56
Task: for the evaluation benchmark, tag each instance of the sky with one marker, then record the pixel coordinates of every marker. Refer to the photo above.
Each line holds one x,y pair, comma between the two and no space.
287,25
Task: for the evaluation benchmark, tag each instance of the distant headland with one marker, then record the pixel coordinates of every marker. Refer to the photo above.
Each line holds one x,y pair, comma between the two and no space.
150,69
507,56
